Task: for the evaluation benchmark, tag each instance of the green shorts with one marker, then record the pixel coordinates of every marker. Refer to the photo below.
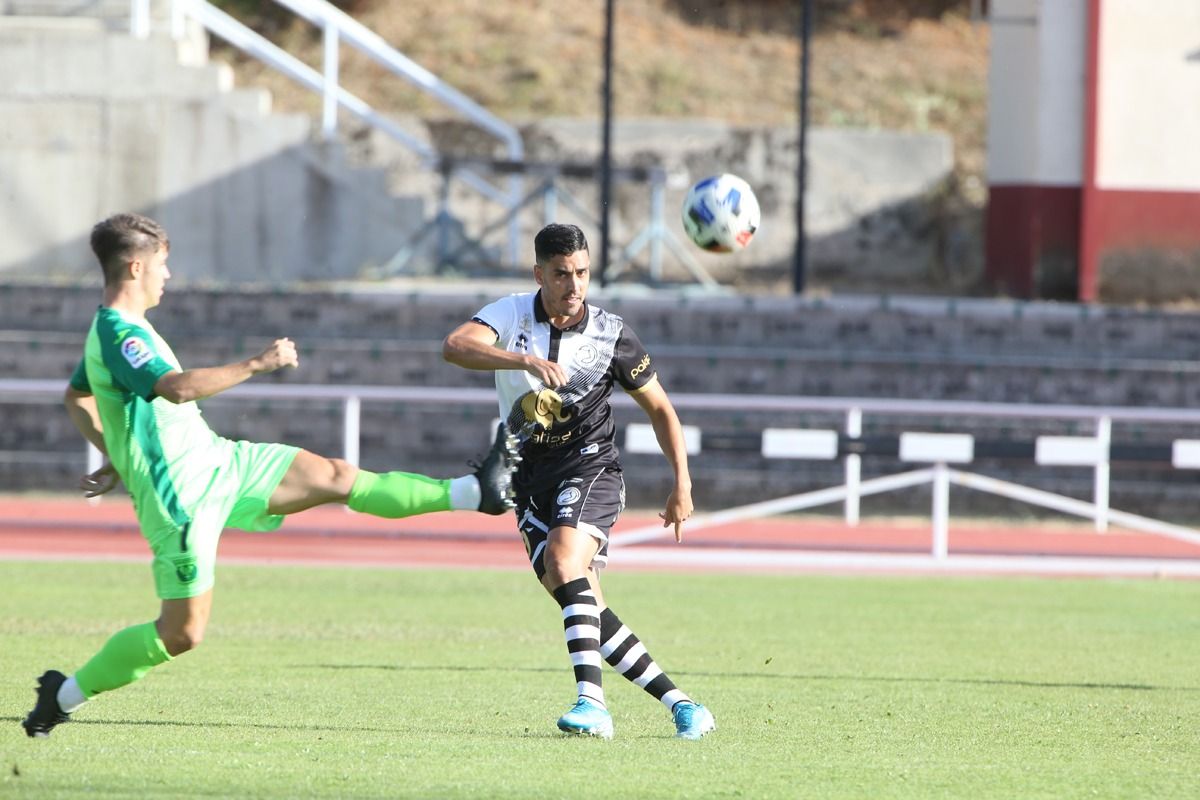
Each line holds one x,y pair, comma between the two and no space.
185,556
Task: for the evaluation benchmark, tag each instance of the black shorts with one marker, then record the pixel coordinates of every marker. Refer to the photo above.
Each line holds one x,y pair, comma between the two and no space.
589,502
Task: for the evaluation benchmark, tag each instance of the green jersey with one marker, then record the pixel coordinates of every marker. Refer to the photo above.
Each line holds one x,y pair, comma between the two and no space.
164,452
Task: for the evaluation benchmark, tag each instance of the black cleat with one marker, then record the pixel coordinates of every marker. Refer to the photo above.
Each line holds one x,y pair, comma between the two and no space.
47,713
495,473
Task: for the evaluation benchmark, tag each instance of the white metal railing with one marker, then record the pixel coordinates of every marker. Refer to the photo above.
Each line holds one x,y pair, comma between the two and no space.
338,27
933,451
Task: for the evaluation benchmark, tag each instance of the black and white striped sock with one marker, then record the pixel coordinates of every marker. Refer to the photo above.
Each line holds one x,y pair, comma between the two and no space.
581,625
625,652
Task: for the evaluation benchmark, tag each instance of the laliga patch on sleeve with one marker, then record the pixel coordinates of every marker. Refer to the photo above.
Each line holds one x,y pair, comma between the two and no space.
136,351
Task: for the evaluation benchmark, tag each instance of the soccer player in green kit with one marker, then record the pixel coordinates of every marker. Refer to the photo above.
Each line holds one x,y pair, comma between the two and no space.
130,397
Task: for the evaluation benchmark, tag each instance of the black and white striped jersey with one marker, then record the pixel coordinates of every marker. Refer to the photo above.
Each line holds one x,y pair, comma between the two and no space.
571,428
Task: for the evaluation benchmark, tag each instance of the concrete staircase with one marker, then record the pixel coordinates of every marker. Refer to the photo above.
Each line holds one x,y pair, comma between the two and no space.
113,13
97,122
851,347
916,348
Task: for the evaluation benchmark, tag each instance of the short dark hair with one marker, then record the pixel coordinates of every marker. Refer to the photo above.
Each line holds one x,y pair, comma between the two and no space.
116,240
557,239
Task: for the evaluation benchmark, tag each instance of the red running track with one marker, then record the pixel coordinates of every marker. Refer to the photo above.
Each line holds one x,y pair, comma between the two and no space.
65,528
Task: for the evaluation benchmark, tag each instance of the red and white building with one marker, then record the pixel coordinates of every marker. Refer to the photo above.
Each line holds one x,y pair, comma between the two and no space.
1093,139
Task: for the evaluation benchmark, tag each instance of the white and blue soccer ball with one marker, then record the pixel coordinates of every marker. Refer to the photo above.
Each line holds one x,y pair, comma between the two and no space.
721,213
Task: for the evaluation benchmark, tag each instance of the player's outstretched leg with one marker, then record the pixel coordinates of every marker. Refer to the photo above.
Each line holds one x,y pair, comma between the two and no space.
47,713
626,654
495,473
403,494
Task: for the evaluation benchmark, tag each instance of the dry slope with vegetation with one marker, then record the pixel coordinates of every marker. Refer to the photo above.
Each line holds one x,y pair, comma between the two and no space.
896,64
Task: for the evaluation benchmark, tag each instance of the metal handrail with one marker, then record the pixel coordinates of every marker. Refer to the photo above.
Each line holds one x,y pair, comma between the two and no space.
336,27
252,43
939,474
350,30
710,402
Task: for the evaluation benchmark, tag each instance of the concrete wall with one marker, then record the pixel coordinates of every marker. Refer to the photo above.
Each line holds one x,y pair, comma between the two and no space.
1149,82
692,369
1035,146
1093,172
875,212
96,122
99,122
851,347
1140,232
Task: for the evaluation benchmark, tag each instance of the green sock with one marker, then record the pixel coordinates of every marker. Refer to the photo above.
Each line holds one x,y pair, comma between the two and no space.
126,656
398,494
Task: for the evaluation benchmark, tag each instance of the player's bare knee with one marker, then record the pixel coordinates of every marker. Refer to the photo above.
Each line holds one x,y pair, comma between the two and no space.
182,640
341,476
562,566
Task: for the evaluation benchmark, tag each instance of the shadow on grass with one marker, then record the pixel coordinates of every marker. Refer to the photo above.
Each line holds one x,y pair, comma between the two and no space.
1139,687
210,724
527,732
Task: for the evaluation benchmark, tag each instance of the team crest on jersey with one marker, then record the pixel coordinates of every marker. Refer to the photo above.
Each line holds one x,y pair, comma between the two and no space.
185,568
136,351
587,355
568,496
545,408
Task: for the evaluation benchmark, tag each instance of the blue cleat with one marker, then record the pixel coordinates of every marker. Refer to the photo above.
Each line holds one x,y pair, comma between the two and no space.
587,719
692,720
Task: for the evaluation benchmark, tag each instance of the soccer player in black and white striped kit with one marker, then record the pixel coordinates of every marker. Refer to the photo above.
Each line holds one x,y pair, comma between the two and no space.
556,359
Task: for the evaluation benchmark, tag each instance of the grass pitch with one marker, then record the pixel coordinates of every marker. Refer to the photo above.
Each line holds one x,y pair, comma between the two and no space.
374,683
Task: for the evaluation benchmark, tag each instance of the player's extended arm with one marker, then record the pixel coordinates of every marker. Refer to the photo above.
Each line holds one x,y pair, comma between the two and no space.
472,346
654,401
196,384
81,408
